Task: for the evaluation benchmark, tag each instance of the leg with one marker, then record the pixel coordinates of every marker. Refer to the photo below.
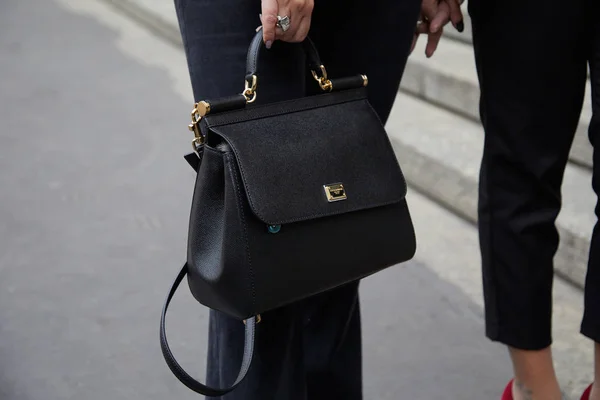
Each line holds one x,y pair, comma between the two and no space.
351,41
332,345
277,371
591,320
317,350
595,395
216,36
532,79
310,350
375,43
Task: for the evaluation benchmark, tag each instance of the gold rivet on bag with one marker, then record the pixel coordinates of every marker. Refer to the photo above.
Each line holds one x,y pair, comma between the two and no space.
258,319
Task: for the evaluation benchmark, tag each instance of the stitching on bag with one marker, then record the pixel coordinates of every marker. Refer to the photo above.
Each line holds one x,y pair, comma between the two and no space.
332,214
243,219
284,109
413,233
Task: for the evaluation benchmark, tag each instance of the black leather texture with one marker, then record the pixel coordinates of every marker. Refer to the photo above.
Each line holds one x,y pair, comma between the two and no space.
348,82
291,199
262,232
194,159
227,104
269,150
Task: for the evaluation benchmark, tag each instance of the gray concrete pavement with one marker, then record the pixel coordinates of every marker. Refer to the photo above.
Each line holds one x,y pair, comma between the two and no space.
93,214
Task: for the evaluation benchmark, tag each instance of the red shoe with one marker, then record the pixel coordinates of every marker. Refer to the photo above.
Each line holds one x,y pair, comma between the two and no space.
507,395
586,394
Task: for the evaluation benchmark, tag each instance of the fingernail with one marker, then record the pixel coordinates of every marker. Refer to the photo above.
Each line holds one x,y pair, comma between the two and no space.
269,44
460,26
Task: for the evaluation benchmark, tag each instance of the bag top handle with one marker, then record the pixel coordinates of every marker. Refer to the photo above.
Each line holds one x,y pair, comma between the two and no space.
314,63
234,102
257,43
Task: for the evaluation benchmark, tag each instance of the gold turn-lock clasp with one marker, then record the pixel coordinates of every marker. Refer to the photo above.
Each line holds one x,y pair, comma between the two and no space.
335,192
323,80
200,110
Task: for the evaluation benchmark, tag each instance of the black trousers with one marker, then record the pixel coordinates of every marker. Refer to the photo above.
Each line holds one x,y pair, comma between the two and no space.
531,59
310,350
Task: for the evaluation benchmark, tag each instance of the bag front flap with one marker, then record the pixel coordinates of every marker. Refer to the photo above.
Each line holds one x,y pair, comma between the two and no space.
308,159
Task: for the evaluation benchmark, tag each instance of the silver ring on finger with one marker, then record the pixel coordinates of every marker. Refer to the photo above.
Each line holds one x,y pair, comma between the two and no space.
283,22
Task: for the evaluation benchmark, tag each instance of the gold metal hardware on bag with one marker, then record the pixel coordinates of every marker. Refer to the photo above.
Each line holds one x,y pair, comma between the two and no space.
365,80
201,109
250,90
258,319
335,192
324,82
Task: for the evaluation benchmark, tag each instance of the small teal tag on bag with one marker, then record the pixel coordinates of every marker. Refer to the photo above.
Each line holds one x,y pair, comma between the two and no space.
274,228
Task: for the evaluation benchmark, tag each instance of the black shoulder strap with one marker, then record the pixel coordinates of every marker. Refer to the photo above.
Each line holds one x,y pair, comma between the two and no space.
183,376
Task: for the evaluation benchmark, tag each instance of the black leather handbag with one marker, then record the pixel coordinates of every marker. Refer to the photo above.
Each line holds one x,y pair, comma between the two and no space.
291,199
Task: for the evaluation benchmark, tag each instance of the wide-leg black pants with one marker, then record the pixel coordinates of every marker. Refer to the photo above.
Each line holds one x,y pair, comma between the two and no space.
310,350
531,59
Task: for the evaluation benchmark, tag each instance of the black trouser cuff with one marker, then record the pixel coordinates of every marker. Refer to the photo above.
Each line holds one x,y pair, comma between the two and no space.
591,328
518,339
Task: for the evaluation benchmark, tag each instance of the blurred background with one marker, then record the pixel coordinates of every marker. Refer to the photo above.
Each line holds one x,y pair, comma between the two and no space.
94,201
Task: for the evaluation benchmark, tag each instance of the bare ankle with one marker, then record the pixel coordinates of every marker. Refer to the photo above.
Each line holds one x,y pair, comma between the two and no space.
597,367
535,378
595,394
522,392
